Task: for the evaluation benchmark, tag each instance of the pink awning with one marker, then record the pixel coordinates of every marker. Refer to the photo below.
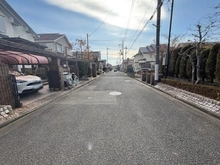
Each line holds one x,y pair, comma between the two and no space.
19,58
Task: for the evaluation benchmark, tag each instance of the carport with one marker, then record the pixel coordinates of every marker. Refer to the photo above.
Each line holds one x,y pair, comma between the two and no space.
19,58
18,51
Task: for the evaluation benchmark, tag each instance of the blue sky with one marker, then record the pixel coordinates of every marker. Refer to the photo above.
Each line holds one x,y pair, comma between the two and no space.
108,22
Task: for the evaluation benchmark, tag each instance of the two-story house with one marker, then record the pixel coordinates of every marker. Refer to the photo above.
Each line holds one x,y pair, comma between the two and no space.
146,56
55,42
12,25
13,31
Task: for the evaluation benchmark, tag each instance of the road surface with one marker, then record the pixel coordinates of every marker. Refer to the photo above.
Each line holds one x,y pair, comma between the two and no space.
113,120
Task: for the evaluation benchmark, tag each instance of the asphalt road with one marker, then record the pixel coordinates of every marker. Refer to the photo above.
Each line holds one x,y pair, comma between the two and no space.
113,120
32,97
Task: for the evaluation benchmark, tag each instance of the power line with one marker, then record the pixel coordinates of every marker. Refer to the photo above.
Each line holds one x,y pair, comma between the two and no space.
129,18
104,40
146,24
142,29
101,22
141,21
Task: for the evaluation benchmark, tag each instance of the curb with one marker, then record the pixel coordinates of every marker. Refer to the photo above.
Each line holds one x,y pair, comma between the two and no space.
191,103
56,96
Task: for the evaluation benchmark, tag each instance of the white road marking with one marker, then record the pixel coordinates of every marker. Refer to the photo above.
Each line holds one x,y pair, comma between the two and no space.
89,146
115,93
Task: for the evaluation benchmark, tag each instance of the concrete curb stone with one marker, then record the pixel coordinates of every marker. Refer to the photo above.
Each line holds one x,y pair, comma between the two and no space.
207,105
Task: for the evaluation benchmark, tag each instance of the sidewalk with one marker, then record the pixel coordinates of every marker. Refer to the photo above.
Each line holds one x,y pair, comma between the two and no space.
207,105
8,115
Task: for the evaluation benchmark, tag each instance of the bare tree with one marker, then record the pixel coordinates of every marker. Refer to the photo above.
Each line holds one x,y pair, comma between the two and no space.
215,18
188,51
80,46
175,40
200,35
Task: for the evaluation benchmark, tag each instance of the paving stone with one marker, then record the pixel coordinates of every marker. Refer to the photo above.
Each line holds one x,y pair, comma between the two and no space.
9,108
203,102
7,111
4,114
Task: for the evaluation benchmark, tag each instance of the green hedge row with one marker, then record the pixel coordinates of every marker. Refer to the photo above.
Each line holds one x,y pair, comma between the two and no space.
204,90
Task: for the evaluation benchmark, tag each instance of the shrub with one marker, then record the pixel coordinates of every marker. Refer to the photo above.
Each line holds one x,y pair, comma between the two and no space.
217,70
204,90
211,62
183,63
172,61
204,56
177,66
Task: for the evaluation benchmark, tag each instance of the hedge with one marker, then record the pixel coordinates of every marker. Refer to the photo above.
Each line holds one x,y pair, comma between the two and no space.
201,89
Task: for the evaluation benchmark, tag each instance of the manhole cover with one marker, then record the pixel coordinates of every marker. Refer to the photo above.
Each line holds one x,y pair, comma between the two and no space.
115,93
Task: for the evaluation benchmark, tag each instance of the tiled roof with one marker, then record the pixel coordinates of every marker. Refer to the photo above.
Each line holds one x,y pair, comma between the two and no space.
48,36
143,50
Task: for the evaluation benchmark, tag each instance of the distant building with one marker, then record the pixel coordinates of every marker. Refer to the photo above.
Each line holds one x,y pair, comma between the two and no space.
92,56
96,55
55,42
146,56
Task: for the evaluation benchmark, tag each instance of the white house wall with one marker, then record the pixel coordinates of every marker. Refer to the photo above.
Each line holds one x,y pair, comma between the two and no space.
64,44
149,57
15,31
136,63
50,47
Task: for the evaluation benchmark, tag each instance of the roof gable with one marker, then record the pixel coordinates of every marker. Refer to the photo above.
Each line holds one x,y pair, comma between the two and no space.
142,50
49,37
52,37
16,19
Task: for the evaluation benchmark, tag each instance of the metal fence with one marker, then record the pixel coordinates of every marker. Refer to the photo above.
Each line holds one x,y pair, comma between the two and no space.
8,88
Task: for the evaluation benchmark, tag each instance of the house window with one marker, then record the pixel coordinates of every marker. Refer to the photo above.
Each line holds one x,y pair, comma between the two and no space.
59,48
2,24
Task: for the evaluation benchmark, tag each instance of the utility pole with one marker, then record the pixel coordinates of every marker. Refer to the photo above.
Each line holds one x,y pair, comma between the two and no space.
126,52
168,45
122,54
126,64
107,55
87,47
156,76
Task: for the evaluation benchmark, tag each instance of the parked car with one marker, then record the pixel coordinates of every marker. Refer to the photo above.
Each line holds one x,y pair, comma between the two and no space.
27,83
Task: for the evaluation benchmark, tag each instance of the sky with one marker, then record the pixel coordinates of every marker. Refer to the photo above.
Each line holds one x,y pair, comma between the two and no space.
113,23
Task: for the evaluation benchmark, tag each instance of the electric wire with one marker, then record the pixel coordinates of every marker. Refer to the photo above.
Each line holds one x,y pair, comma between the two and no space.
141,22
101,23
129,18
145,25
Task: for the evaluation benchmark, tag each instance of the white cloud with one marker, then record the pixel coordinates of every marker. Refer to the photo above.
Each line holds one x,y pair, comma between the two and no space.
123,13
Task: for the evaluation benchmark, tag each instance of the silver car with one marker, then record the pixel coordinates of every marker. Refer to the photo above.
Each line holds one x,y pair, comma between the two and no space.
27,83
